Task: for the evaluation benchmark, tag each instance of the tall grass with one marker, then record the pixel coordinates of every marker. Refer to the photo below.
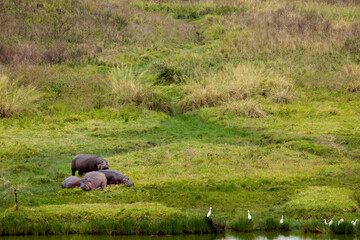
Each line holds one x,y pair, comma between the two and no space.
15,98
236,83
342,228
314,226
126,88
22,226
243,225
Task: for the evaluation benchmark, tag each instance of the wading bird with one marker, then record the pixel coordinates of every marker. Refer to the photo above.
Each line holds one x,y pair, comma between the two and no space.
249,216
325,222
340,221
282,220
209,213
331,222
354,222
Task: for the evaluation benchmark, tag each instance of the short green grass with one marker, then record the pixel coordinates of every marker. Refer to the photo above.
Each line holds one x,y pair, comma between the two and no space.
238,105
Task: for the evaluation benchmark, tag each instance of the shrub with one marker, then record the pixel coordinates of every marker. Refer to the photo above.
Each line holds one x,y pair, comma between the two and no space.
15,98
166,74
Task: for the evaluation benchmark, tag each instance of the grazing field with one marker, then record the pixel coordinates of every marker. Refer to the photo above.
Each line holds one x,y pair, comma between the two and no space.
238,105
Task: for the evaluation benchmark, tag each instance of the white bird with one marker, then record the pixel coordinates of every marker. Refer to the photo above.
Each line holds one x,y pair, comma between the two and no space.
325,222
282,220
249,216
331,222
209,213
340,221
354,222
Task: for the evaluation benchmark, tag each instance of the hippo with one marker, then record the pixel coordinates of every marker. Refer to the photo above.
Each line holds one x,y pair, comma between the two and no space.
93,181
115,177
71,182
86,163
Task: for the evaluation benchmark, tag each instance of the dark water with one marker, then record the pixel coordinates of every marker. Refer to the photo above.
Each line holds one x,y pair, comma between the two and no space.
228,236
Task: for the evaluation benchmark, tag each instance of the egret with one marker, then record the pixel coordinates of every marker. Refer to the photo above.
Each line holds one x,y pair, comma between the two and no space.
209,213
354,222
331,222
340,221
325,222
249,216
282,220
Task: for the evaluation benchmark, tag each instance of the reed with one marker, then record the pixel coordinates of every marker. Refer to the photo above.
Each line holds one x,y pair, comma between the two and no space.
22,226
243,225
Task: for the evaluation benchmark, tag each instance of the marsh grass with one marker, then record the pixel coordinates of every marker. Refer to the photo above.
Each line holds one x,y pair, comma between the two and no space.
173,226
314,226
342,228
242,225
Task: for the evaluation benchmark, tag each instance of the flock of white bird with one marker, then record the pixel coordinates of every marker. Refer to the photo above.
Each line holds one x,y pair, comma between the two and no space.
340,221
282,219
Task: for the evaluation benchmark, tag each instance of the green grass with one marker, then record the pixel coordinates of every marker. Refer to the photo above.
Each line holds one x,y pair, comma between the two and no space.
235,104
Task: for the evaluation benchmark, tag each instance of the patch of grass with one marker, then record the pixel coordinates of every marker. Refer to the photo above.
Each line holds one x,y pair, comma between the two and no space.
314,226
186,11
15,99
236,83
342,228
327,200
243,225
126,219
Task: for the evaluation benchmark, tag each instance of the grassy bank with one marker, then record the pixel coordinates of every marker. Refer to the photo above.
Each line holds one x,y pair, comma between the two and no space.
237,105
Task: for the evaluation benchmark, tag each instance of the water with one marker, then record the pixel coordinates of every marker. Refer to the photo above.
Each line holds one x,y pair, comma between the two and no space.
228,236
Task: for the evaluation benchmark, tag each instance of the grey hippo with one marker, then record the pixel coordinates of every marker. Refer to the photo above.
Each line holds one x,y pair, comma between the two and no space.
93,181
71,182
86,163
115,177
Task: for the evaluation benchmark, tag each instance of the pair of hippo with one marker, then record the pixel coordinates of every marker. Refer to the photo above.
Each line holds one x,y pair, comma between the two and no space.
98,175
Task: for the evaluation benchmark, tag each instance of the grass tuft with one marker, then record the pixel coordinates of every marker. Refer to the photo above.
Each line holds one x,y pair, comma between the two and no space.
342,228
243,225
15,98
314,226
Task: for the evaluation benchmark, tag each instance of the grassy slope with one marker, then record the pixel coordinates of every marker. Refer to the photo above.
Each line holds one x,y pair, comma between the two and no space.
300,161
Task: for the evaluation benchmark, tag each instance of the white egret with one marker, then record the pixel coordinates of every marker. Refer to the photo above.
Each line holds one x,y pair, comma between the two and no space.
282,220
354,222
249,216
209,213
340,221
331,222
325,222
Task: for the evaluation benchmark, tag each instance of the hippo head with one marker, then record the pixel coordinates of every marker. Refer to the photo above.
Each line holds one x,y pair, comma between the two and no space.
126,181
103,164
86,185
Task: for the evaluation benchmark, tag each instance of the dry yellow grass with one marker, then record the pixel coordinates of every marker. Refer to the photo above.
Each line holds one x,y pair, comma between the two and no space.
236,83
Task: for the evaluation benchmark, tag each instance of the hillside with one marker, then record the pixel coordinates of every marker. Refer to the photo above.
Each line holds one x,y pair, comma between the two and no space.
238,105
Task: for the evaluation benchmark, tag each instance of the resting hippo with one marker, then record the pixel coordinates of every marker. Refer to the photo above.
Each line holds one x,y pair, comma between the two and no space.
115,177
71,182
93,181
87,163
